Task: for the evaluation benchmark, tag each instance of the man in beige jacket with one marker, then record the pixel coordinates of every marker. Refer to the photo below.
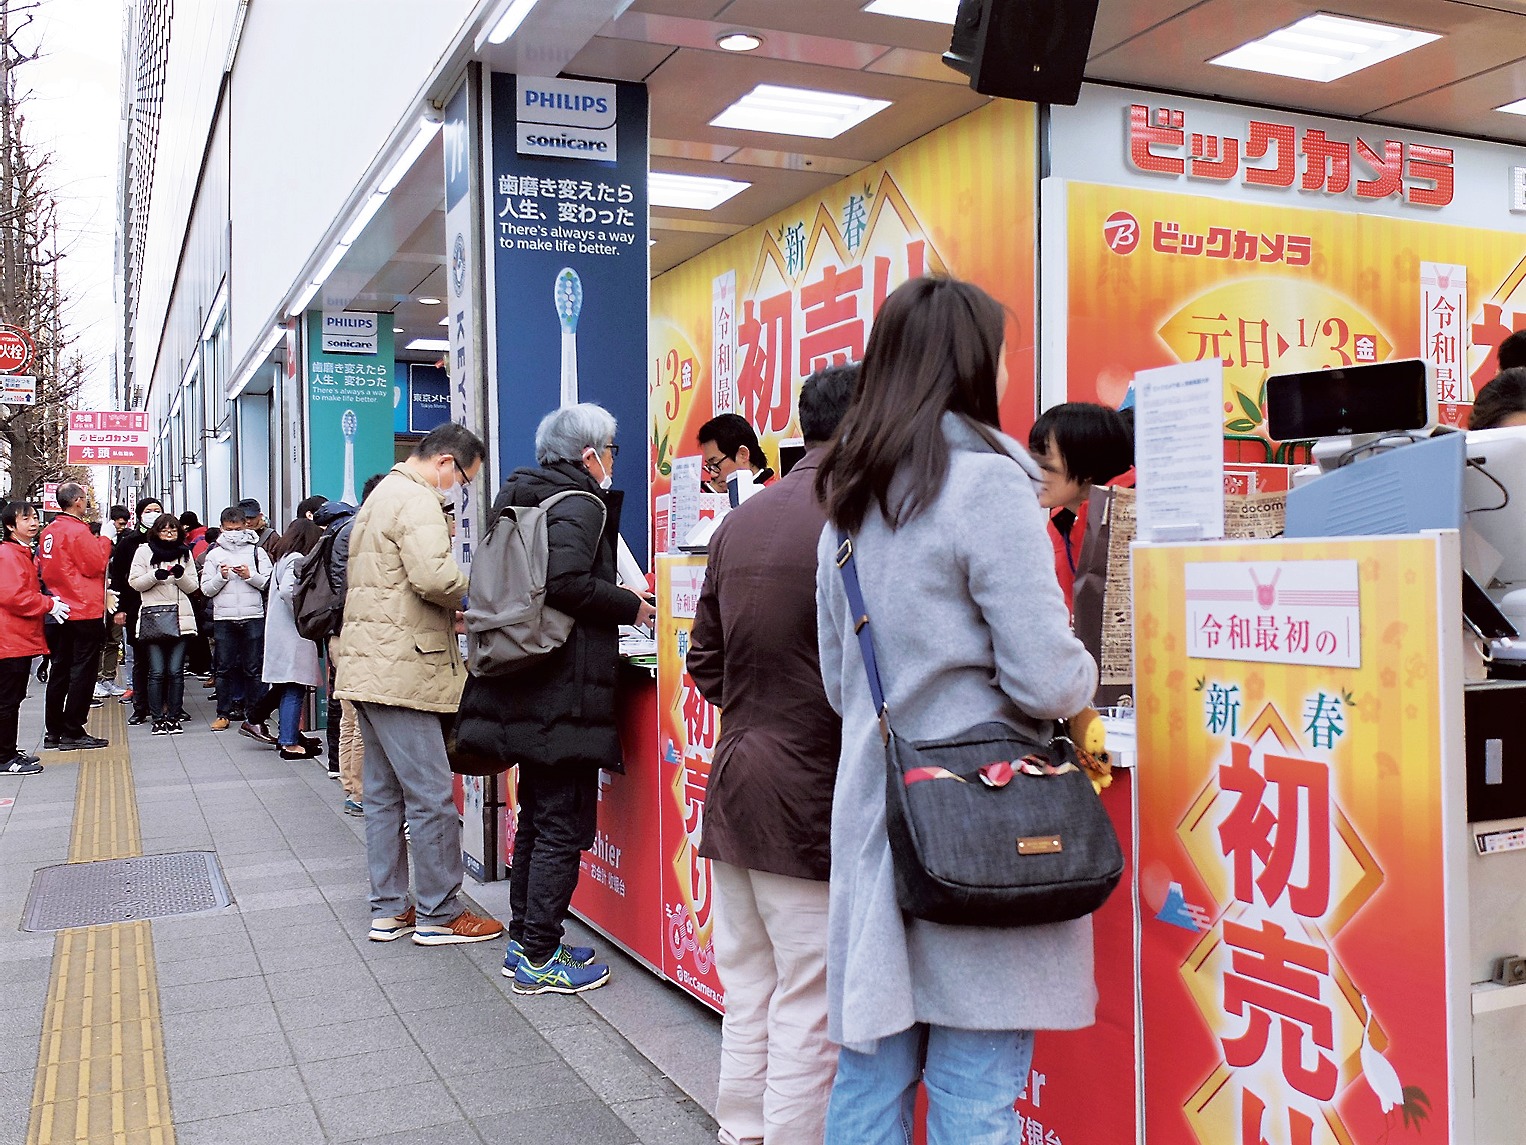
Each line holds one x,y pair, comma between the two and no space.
398,662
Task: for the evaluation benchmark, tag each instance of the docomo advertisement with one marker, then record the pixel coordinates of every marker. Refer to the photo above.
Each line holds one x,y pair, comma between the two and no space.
108,438
1294,978
1277,243
737,328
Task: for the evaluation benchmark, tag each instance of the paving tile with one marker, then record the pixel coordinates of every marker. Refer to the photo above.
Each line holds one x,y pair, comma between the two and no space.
216,995
523,1085
466,1039
214,944
674,1120
613,1070
410,995
288,1124
236,1093
18,1052
207,969
362,1073
255,1017
327,1009
451,1133
397,1107
189,1058
342,1039
288,985
575,1123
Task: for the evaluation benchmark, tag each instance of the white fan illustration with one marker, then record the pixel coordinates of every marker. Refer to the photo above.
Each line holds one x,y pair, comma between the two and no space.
349,424
569,302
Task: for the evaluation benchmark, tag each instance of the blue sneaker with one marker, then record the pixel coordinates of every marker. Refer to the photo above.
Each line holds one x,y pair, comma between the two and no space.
558,976
572,955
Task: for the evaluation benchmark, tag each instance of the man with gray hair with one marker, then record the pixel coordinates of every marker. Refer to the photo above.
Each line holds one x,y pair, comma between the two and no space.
556,721
72,564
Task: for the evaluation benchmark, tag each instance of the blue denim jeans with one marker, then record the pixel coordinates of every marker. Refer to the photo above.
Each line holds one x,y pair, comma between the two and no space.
972,1077
166,683
292,696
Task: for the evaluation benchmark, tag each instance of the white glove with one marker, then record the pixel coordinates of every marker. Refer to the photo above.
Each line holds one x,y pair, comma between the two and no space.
60,610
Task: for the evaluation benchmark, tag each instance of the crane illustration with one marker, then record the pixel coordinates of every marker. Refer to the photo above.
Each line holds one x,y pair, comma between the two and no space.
1383,1079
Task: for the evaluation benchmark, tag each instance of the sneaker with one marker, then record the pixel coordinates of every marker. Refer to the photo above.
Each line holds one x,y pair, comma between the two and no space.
173,727
391,929
558,976
208,683
20,765
29,756
49,743
220,724
333,770
97,703
137,718
160,728
465,927
83,743
572,955
354,807
257,732
183,716
42,670
114,689
126,696
102,690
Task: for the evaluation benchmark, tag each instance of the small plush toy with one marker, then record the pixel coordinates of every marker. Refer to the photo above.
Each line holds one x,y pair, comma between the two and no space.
1089,735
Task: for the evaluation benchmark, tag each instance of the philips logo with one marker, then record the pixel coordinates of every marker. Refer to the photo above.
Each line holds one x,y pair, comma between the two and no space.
565,102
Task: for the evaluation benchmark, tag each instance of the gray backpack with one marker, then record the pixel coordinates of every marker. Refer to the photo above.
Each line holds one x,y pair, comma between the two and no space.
509,626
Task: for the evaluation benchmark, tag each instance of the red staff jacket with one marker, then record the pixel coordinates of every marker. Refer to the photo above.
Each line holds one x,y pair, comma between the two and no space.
22,604
72,563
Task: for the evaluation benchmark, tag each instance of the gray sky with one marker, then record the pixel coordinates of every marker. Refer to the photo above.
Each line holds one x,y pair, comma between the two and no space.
73,110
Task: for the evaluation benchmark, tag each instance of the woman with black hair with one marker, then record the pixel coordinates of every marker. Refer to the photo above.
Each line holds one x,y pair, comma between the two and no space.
164,576
968,627
22,607
291,664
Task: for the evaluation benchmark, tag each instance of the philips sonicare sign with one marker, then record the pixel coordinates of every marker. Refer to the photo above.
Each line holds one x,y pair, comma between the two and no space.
570,119
348,332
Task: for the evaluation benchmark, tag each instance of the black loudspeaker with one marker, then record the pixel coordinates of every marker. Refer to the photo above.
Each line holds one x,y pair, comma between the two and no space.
1023,49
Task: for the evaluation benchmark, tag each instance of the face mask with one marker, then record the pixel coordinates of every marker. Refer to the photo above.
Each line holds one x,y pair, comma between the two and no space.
608,480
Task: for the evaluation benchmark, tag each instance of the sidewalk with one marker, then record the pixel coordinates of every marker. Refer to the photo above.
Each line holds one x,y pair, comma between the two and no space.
278,1020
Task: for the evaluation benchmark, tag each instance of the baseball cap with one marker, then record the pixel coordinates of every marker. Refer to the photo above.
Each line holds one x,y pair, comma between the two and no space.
251,507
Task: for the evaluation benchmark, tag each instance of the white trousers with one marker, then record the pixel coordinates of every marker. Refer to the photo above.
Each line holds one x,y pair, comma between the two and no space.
777,1065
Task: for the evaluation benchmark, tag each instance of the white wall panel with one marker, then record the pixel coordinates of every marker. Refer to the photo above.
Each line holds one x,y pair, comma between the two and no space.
317,90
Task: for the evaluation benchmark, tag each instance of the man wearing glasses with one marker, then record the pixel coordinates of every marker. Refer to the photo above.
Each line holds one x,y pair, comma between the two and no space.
398,663
728,444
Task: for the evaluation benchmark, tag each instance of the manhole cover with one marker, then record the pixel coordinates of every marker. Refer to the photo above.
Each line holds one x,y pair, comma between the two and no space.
125,890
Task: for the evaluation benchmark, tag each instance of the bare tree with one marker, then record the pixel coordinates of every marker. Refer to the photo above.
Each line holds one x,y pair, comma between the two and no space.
33,438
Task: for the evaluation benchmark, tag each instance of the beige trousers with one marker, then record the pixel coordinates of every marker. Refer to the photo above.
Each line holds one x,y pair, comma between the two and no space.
777,1065
352,752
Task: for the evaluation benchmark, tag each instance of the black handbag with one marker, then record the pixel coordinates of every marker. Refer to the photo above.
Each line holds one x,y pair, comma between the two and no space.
989,827
159,622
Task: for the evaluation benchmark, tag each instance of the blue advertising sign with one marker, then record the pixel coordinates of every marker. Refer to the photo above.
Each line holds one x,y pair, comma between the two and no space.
428,397
567,227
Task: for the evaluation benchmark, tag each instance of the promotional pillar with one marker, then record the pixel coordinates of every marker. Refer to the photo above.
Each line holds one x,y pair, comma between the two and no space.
1299,720
349,401
567,227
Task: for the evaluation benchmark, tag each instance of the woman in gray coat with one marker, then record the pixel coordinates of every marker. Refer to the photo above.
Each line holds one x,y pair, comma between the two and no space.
291,660
970,626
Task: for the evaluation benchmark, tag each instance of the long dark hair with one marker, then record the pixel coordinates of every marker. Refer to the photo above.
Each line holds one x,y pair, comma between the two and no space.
934,349
301,536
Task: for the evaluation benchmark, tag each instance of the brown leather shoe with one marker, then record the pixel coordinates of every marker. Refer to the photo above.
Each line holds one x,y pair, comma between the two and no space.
465,927
220,724
257,732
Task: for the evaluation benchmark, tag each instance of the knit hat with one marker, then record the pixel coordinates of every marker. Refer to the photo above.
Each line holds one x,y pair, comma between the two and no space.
147,501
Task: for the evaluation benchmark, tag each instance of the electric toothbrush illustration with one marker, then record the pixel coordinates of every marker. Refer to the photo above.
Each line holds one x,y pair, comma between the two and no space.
349,423
569,302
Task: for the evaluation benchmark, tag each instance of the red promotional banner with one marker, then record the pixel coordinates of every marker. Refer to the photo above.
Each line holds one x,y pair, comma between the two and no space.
108,437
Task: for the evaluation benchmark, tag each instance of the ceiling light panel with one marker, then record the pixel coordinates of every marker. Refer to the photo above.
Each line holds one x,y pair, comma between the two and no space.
798,111
690,192
1323,47
1516,108
438,345
933,11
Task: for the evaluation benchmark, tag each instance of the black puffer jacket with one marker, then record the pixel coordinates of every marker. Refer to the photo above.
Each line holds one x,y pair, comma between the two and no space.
561,710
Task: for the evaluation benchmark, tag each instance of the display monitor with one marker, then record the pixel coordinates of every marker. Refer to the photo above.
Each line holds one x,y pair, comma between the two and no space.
1405,489
1494,493
1382,397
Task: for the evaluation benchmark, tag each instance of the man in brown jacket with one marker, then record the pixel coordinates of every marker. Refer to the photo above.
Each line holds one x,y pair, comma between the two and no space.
768,811
397,661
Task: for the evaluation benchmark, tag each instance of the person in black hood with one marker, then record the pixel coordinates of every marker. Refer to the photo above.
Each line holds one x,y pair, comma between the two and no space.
163,573
556,720
128,601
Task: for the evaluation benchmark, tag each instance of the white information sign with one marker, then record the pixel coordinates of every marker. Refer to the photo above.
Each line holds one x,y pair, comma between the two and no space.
18,389
1179,451
684,589
570,119
1276,612
723,328
349,332
1443,310
683,514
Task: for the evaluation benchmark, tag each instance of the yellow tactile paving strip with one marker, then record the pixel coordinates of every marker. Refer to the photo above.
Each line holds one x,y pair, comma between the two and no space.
100,1068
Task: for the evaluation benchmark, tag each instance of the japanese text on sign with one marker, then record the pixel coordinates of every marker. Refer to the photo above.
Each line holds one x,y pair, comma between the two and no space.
1304,612
571,216
1443,308
1239,245
1159,144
